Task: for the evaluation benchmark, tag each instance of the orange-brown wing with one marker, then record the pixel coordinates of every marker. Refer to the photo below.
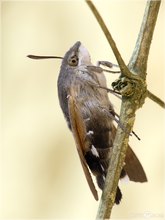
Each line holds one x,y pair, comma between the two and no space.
79,133
133,167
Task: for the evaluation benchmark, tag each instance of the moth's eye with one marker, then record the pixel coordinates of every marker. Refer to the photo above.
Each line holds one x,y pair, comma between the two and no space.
73,60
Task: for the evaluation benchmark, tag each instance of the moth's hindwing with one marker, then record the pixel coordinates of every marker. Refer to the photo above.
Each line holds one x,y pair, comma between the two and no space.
79,134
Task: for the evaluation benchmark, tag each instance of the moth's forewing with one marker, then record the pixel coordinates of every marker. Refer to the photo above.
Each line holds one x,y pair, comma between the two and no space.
79,134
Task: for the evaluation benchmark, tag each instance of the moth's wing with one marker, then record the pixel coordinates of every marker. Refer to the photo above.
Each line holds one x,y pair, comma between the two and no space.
133,167
79,133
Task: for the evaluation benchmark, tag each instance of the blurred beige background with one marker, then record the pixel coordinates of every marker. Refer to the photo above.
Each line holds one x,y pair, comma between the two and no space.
41,176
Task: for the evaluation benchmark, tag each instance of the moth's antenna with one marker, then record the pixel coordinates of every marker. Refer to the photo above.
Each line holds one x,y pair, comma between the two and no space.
36,57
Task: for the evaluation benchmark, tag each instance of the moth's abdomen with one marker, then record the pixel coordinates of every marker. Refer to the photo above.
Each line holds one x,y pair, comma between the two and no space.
99,165
95,165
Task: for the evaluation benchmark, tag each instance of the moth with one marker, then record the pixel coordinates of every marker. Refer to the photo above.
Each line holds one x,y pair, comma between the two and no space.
90,117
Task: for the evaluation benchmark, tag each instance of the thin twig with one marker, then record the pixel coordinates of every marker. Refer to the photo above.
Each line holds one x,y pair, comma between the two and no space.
112,43
155,99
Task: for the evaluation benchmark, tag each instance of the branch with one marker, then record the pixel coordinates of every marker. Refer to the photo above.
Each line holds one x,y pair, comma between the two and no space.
134,92
139,58
140,47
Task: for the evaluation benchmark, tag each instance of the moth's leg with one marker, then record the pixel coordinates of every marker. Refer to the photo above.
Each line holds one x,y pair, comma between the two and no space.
99,69
107,64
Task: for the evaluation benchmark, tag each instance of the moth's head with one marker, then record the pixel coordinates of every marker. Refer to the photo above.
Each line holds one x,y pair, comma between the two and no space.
77,55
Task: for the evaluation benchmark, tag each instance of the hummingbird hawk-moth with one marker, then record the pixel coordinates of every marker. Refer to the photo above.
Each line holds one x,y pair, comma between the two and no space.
90,117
